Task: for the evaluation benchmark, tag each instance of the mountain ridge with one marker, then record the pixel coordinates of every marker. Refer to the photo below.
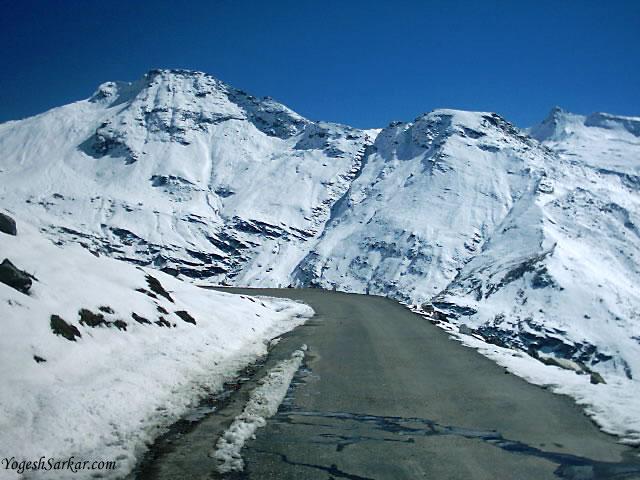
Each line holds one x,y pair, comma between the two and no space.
463,210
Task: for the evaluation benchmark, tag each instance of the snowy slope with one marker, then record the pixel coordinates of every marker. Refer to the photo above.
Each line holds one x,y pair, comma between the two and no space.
427,198
530,238
561,274
124,364
180,171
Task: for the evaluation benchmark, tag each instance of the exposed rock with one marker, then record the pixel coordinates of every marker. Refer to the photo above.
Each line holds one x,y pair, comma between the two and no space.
567,364
140,319
427,308
596,378
156,287
120,325
465,330
7,224
535,338
162,322
62,328
146,292
14,277
184,315
436,315
90,319
39,359
496,341
454,310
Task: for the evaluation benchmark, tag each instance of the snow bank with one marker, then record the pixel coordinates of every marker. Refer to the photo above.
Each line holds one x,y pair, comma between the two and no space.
141,347
264,403
612,406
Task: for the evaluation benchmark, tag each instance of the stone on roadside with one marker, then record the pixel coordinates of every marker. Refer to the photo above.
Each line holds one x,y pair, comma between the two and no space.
465,330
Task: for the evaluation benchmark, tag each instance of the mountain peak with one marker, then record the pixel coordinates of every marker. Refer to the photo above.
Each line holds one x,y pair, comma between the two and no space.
561,124
557,125
187,81
614,122
175,106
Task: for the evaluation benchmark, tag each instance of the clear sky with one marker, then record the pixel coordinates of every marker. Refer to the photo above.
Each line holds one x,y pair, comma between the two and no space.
362,63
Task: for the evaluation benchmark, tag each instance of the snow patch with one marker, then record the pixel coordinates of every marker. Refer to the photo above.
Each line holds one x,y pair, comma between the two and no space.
262,404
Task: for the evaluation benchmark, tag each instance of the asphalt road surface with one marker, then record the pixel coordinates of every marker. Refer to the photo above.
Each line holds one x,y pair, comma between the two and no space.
384,394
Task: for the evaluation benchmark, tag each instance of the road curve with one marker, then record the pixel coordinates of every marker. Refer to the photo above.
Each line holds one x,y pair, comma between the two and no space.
384,394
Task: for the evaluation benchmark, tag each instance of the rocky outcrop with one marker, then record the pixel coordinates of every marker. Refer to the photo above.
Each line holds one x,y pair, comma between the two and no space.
63,329
14,277
7,224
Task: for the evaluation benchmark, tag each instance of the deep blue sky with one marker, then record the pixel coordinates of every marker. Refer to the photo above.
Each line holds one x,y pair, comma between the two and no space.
362,63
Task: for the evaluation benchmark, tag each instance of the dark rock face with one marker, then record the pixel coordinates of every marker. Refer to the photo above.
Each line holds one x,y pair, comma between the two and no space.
140,319
14,277
156,287
90,319
534,337
162,322
453,309
62,328
184,315
120,325
7,225
93,320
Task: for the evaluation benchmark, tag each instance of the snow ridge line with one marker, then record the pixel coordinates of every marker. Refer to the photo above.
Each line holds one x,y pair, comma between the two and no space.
263,403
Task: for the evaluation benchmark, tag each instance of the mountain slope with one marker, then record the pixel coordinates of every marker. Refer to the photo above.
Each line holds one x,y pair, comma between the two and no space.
179,171
530,238
572,293
429,195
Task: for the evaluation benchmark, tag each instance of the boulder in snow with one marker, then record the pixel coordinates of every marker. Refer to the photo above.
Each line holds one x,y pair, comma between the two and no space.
465,330
62,328
7,224
596,378
184,315
14,277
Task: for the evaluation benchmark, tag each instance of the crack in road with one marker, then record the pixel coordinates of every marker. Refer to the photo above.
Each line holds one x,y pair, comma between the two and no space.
571,467
333,470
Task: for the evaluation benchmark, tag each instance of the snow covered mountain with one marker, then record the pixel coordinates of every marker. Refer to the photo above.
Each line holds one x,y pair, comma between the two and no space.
182,172
530,238
560,274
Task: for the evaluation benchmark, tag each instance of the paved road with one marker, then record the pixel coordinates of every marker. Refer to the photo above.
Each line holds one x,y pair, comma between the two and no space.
386,395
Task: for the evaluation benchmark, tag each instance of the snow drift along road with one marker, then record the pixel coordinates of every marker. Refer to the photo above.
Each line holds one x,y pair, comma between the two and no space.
100,352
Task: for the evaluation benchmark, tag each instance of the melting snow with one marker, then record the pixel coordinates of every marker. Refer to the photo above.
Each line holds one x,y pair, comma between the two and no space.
263,403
